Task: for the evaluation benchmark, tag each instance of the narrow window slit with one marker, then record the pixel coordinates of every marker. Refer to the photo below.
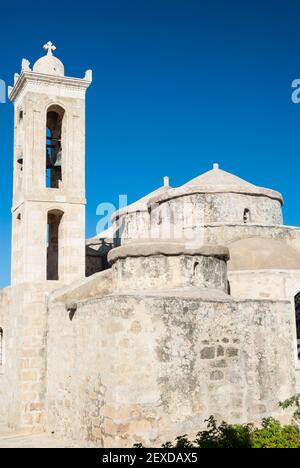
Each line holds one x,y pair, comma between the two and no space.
53,241
297,312
54,149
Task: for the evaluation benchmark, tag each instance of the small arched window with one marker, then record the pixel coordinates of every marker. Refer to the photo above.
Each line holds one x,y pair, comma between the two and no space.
1,347
246,216
297,312
196,269
54,147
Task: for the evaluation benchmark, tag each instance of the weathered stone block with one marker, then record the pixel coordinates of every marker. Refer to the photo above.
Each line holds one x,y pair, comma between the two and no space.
232,352
216,375
208,353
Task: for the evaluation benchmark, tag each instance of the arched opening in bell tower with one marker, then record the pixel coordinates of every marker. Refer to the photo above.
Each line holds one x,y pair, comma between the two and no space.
53,244
54,147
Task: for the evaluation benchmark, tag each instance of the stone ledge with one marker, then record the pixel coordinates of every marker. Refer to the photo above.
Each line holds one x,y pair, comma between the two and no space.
149,249
209,189
211,296
31,76
97,285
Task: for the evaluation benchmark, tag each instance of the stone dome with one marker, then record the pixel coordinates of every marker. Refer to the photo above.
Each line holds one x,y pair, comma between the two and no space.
217,177
133,221
142,204
256,253
218,197
49,65
217,181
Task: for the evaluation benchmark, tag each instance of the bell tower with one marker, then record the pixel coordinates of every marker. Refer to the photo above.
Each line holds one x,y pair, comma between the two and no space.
48,233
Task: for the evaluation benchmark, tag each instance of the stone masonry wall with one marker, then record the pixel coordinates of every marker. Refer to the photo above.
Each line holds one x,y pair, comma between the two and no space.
186,217
226,234
221,208
265,284
23,376
128,369
169,272
3,384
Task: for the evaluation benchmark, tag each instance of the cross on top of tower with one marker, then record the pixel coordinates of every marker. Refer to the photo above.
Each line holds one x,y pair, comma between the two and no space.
49,64
50,47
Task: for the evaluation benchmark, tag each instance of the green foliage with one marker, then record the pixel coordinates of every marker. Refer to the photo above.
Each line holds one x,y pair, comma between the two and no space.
183,442
271,434
217,436
224,435
274,435
290,403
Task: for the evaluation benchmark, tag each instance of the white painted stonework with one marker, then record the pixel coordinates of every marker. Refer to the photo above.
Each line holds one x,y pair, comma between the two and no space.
183,309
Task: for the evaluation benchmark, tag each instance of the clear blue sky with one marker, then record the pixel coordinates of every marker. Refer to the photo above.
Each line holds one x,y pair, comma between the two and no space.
178,85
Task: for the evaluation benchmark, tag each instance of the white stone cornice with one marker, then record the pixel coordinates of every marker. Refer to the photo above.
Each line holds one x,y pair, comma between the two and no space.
44,200
43,80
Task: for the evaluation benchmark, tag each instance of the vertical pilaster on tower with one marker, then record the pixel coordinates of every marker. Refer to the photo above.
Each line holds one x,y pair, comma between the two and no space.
48,239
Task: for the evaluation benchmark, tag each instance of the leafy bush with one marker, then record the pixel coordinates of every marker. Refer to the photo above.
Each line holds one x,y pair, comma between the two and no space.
274,435
224,435
271,434
290,403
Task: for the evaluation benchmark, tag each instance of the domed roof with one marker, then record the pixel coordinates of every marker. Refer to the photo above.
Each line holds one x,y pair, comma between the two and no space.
256,253
218,177
142,204
49,65
217,181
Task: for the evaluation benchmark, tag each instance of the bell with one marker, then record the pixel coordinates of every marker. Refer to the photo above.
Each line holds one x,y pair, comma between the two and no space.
58,160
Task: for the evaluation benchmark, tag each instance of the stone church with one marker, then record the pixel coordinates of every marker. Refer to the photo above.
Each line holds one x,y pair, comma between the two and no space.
188,306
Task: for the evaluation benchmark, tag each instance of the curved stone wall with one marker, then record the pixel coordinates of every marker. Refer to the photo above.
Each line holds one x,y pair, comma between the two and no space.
131,226
204,208
187,216
157,266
